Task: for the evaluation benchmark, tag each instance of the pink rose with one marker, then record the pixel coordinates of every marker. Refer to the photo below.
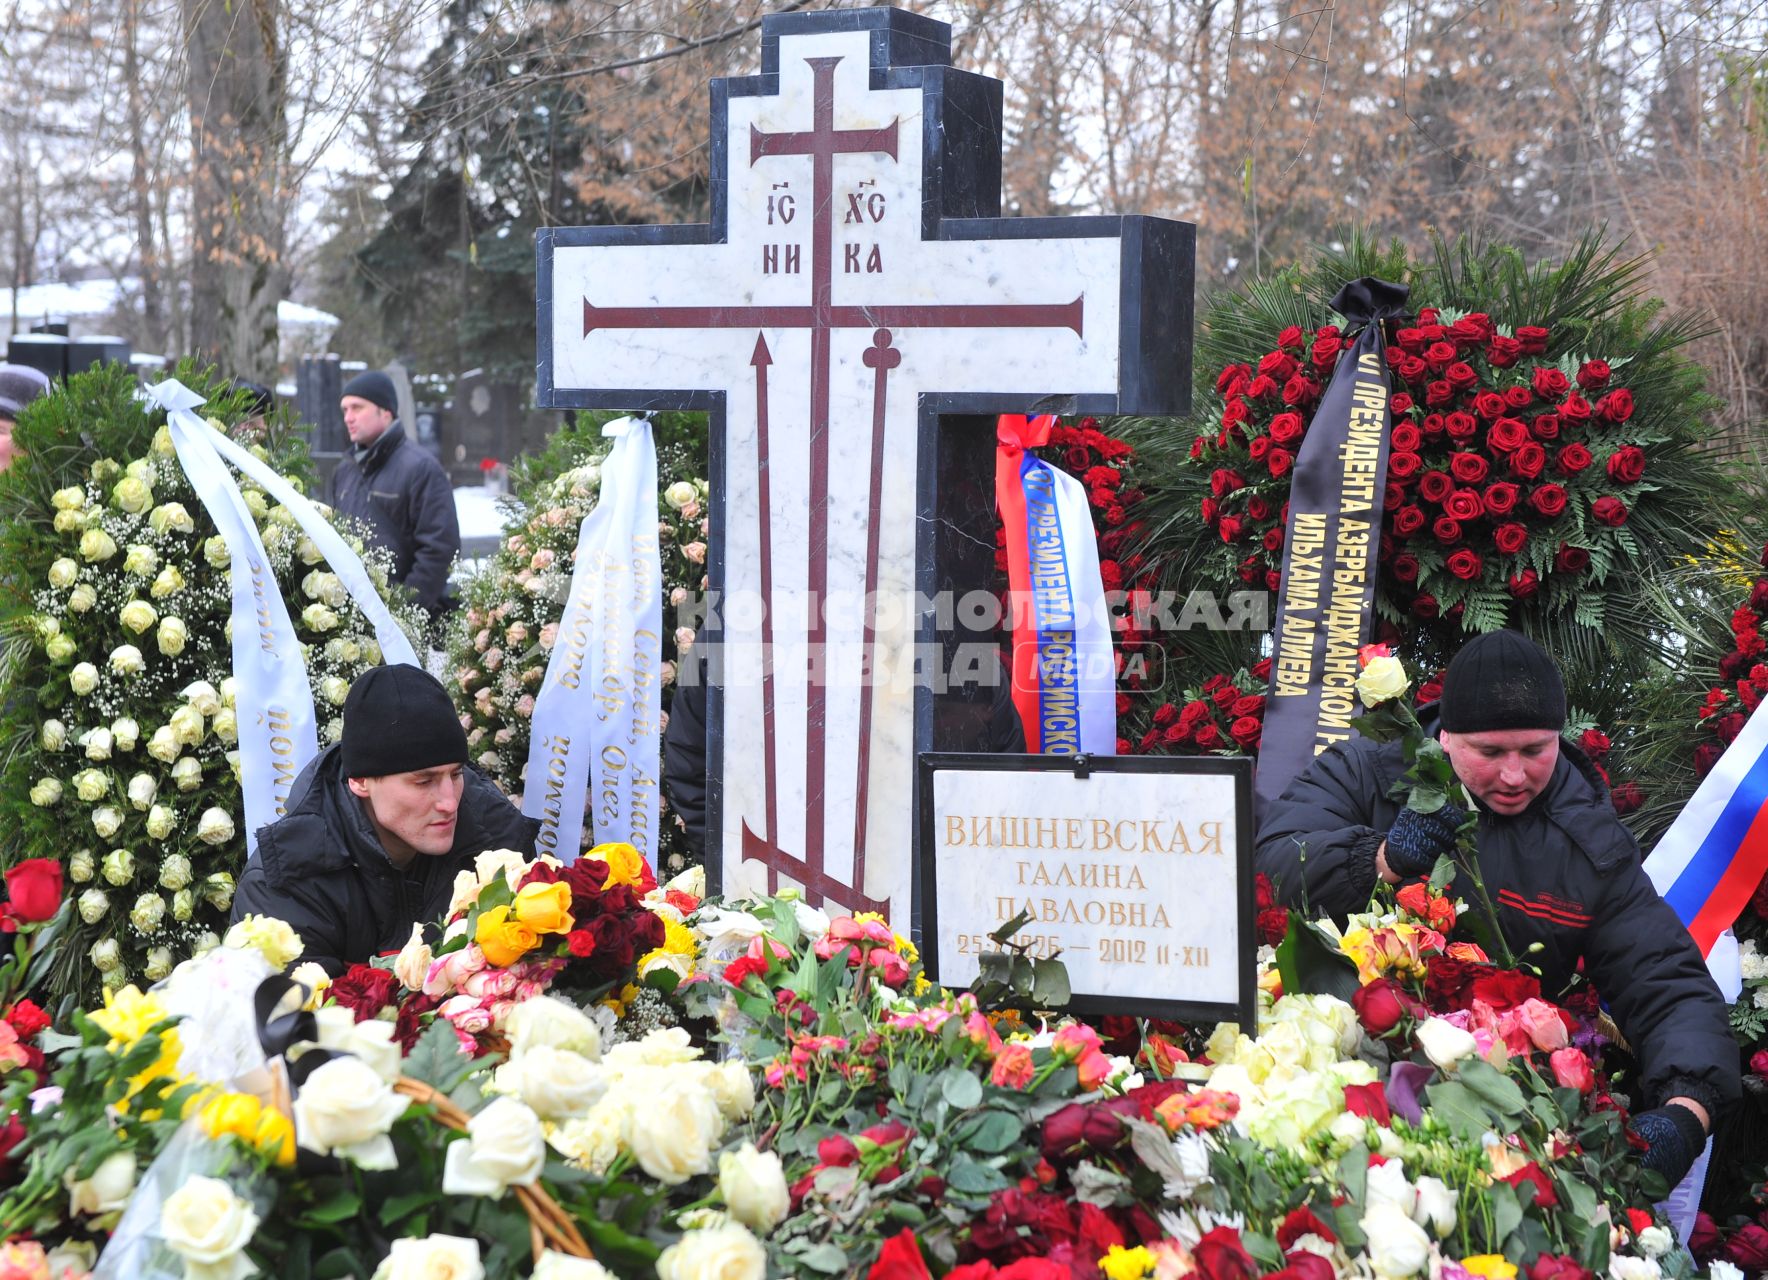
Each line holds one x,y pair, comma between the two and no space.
482,641
467,1014
1541,1022
517,633
517,544
541,560
448,973
695,551
493,659
525,706
1571,1069
549,635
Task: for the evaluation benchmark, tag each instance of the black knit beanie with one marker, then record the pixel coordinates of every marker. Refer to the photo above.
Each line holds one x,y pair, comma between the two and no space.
398,719
1502,680
374,387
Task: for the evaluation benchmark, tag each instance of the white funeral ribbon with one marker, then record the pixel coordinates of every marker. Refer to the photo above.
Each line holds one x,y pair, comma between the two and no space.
273,702
1070,616
594,735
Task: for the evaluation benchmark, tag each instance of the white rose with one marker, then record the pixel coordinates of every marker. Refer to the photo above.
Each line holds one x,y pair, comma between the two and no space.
679,494
317,617
132,494
69,499
673,1134
83,679
172,636
106,819
346,1109
140,560
63,573
203,696
218,893
1655,1242
46,792
148,912
91,785
216,553
163,745
1623,1267
107,957
334,689
1382,680
97,545
184,906
175,871
82,598
562,1266
1436,1206
160,821
548,1020
54,737
214,827
414,960
1444,1043
661,1048
126,660
432,1258
209,1226
187,772
98,743
158,965
125,733
168,582
733,1088
138,616
557,1083
93,905
173,516
505,1147
753,1185
1397,1246
727,1252
372,1041
187,726
60,648
142,790
118,867
82,866
107,1190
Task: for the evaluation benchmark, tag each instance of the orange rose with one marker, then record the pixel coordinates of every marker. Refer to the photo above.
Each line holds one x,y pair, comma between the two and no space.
503,940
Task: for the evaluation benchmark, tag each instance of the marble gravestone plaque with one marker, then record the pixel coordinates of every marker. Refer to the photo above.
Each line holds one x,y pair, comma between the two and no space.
854,295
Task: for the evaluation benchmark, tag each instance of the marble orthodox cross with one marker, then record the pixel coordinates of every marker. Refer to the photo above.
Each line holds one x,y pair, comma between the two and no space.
854,285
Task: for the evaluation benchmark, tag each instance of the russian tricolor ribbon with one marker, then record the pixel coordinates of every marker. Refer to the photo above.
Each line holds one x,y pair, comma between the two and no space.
1064,669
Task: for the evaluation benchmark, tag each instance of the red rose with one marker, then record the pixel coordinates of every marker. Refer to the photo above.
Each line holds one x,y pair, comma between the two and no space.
1245,731
1251,704
34,887
1627,465
1279,365
1468,468
1593,374
1525,584
1325,353
1553,1266
1408,520
1300,390
1078,459
1082,1124
1231,374
1549,384
1404,465
1531,1175
1749,1248
1464,504
1471,329
27,1019
1412,368
1446,529
1435,486
1425,606
837,1152
1260,446
1438,393
1518,397
1221,1256
1460,375
1301,1222
1290,337
1489,405
1229,528
1461,426
1279,461
1503,988
1226,695
1370,1102
1510,537
1382,1005
1209,508
1274,539
1405,567
900,1259
364,990
12,1132
1571,559
1410,339
1506,434
1257,508
1575,410
1405,436
1165,714
1501,498
1502,352
1533,339
1286,428
1549,500
581,943
1400,404
1610,511
1528,460
1261,388
1616,406
1439,354
1465,564
1208,737
1572,459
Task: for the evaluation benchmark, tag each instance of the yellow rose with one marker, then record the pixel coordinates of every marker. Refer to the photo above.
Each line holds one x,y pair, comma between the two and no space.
243,1116
625,864
544,908
503,940
281,945
1494,1266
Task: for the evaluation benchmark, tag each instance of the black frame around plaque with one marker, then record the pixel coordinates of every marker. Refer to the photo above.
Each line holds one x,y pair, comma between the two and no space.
961,122
1240,768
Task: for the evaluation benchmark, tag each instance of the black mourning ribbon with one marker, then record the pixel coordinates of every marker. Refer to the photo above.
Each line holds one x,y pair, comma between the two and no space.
282,1032
1370,299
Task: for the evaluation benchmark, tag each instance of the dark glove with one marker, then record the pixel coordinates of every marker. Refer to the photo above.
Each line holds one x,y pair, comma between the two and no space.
1417,840
1673,1137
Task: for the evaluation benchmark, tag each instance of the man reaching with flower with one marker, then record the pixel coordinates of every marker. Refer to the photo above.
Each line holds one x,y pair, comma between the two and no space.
1563,871
377,827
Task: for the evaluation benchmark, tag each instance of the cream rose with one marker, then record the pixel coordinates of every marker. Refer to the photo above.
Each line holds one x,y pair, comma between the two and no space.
107,957
168,582
1444,1043
60,648
372,1041
505,1147
91,785
142,790
187,726
93,905
69,499
81,866
140,560
432,1258
126,660
148,913
106,819
107,1190
172,636
216,553
133,495
83,679
118,867
679,494
1397,1246
187,773
727,1252
63,573
209,1226
161,819
138,616
214,827
173,516
562,1266
279,942
414,960
753,1184
82,597
54,737
557,1083
97,545
733,1088
99,744
46,792
1382,680
346,1109
672,1135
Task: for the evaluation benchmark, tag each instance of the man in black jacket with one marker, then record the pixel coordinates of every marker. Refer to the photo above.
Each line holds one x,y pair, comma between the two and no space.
378,826
397,490
1563,871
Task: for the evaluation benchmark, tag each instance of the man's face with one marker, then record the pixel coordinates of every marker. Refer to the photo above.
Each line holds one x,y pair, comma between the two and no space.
1505,769
8,453
364,420
413,813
